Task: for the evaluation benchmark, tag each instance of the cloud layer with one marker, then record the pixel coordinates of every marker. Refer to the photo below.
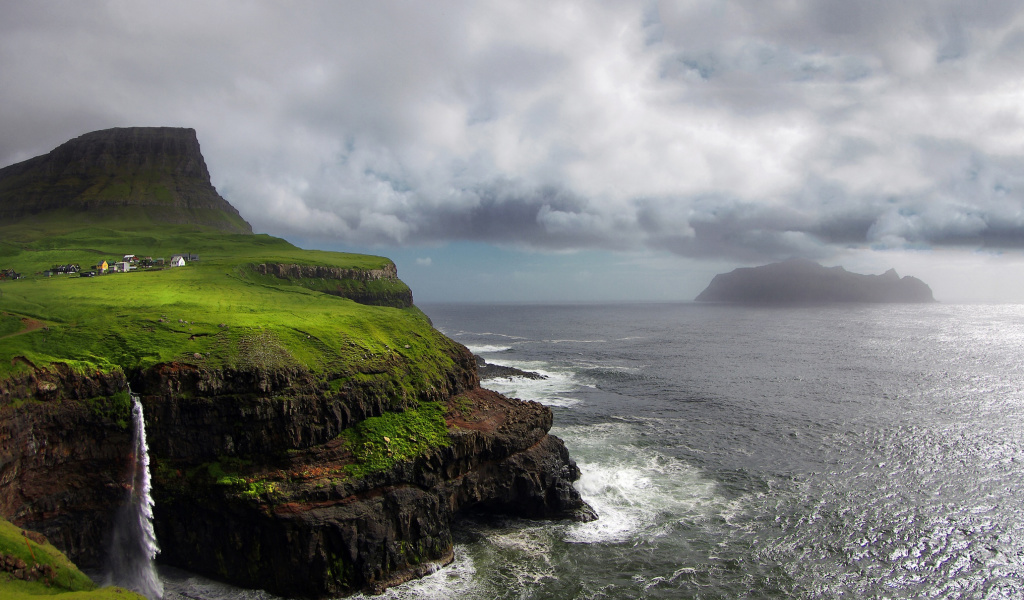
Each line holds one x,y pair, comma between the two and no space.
707,128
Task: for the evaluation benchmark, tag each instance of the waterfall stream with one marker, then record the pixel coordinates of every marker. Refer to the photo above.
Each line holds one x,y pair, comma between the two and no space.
133,544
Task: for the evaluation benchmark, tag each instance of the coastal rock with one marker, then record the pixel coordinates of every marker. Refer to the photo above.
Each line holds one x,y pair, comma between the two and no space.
320,534
803,281
291,520
488,370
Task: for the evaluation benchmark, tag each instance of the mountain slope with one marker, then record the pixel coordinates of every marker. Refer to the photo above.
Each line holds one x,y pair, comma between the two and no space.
134,175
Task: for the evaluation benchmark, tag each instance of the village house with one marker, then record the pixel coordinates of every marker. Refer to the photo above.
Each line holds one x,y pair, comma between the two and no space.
65,269
177,260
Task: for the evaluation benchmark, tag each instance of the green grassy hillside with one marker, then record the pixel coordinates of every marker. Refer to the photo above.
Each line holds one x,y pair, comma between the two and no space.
61,579
216,312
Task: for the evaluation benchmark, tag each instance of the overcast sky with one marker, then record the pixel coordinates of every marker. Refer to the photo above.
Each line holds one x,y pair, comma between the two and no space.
562,150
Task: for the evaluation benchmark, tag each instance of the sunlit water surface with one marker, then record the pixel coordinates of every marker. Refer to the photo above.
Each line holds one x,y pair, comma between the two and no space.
818,452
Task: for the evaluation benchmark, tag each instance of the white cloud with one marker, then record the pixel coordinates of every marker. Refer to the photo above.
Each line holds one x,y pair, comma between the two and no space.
740,129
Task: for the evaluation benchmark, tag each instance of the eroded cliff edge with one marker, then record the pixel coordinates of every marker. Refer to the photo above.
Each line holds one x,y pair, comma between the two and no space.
310,433
272,478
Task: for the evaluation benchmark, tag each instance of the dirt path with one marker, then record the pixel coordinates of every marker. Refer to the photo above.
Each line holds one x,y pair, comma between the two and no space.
30,325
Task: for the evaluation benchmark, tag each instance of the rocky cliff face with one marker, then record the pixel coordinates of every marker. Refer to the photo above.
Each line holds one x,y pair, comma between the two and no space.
158,169
378,287
64,457
252,481
310,531
805,281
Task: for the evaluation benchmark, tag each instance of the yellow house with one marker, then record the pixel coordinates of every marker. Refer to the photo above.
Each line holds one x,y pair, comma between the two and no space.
103,267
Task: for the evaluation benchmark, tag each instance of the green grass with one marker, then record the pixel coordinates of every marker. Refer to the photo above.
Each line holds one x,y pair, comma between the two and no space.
10,324
381,442
68,583
215,312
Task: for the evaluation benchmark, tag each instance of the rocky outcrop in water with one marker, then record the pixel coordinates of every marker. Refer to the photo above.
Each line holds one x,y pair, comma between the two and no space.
801,281
492,371
158,170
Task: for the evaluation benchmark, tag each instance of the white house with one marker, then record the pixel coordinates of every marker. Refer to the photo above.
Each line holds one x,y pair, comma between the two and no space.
177,260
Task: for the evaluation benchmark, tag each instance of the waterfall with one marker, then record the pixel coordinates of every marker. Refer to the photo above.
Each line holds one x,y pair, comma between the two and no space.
133,544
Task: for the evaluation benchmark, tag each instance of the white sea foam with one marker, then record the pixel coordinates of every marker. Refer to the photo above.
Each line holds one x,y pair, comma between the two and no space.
488,348
525,555
553,390
458,579
638,493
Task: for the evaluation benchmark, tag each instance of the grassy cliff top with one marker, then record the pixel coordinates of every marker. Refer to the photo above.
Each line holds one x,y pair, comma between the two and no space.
216,312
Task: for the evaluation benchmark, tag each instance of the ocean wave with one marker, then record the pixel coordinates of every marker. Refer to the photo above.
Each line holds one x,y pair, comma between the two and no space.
638,493
458,579
553,390
488,348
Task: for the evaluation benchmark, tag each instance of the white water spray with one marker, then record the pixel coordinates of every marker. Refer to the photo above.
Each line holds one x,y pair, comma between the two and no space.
133,545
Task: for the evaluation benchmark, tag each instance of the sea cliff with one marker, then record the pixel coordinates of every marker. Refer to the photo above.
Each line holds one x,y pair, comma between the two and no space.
310,432
255,480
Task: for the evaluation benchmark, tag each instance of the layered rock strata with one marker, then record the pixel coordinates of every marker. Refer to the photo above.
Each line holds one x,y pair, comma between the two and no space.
294,521
378,287
64,457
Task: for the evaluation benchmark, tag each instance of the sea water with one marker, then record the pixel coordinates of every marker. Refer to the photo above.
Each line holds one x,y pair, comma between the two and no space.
733,452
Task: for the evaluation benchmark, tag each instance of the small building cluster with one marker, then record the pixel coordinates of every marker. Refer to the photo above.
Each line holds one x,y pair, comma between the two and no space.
125,264
131,262
64,269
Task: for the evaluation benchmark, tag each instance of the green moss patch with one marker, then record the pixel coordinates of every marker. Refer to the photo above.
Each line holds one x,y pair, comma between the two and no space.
116,408
379,443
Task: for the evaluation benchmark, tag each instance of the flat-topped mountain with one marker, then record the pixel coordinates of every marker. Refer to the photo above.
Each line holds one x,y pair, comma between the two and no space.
134,174
309,431
799,281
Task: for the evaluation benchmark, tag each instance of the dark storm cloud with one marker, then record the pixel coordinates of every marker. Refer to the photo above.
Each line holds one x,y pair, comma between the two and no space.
743,129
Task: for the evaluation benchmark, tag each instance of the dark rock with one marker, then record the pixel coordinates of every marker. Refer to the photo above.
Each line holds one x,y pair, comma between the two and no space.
325,535
348,283
311,530
63,459
488,370
804,281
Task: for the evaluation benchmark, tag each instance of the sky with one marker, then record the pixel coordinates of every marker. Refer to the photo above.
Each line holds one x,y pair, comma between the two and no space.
562,150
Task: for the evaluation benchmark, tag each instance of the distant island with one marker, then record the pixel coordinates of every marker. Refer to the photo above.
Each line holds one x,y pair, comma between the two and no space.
802,281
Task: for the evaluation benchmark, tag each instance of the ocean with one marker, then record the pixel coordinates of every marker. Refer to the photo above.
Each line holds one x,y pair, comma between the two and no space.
859,451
